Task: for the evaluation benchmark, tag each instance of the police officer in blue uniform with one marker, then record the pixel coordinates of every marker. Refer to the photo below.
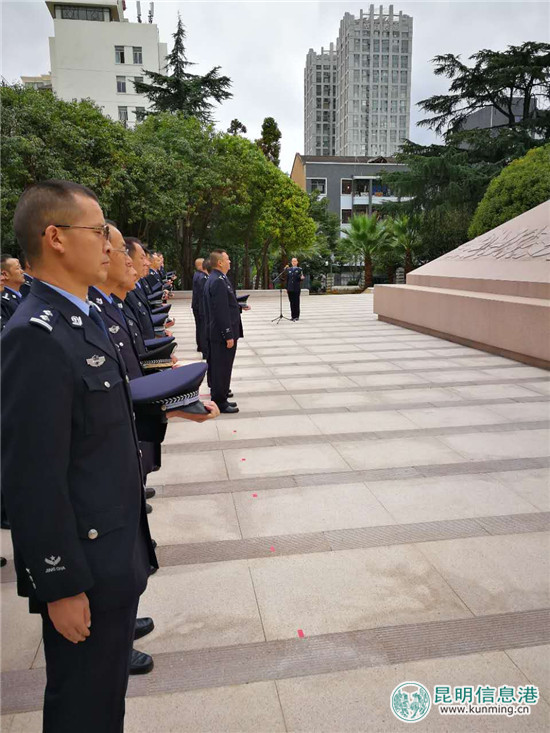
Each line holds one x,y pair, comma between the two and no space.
71,466
13,278
294,277
199,280
223,316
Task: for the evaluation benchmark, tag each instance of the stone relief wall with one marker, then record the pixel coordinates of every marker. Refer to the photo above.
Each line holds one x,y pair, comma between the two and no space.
524,244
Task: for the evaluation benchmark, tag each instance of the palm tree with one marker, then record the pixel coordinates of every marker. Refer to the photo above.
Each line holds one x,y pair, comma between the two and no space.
405,237
365,236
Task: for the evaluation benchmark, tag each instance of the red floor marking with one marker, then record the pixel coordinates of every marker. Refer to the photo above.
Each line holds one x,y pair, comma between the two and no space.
271,549
300,633
254,495
243,459
234,431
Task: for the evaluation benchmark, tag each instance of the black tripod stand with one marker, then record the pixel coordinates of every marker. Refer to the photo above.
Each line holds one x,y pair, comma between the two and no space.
280,317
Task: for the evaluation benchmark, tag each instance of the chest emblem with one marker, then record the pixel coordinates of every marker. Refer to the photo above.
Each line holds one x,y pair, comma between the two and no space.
114,329
76,320
95,360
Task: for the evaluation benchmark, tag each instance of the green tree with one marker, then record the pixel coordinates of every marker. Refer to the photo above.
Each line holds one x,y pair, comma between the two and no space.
404,234
270,140
181,91
366,236
522,185
236,127
44,137
498,79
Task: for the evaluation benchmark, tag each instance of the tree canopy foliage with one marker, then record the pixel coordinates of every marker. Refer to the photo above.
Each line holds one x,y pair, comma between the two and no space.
180,91
174,181
522,185
496,78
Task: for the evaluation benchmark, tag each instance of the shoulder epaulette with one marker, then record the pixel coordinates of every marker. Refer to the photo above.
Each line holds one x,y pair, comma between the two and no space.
45,318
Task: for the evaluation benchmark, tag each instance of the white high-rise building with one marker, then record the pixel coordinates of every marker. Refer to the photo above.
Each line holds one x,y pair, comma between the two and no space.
372,94
96,53
319,102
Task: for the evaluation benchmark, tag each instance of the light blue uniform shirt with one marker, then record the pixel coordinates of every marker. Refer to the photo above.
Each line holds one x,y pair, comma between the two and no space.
75,300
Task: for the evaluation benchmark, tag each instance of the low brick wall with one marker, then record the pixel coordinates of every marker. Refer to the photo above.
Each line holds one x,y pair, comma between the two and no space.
186,294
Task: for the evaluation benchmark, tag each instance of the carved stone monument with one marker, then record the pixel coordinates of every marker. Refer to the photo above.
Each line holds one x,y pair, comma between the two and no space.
492,293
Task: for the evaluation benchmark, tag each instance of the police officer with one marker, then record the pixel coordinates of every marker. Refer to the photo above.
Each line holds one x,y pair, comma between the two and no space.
13,278
223,316
294,277
71,465
199,279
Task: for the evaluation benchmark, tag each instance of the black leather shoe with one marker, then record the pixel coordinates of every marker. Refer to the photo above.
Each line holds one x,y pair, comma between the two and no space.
154,543
140,663
5,524
144,626
152,569
232,404
230,393
229,409
148,508
3,561
150,492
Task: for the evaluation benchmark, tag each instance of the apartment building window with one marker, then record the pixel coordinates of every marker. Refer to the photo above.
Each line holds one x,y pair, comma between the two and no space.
384,76
123,115
404,47
318,184
395,76
404,62
140,113
385,61
393,136
137,80
402,105
74,12
376,46
395,61
346,216
404,77
376,60
121,84
393,105
346,186
375,76
119,55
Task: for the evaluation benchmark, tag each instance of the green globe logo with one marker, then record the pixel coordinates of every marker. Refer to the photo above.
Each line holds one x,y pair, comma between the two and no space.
410,701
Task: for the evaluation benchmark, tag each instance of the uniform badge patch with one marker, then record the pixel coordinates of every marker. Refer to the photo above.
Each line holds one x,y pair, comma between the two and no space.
52,560
114,329
76,320
95,360
99,301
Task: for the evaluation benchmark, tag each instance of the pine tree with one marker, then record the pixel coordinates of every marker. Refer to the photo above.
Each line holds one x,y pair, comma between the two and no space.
236,127
180,91
270,140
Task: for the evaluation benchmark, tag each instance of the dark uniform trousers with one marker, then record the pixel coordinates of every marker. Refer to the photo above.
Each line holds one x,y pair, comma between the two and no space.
72,479
294,298
87,681
220,366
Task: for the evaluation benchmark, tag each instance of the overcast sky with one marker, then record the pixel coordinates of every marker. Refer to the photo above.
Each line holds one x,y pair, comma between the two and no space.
262,47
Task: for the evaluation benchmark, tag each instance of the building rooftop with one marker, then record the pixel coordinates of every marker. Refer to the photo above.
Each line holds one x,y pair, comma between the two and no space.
345,159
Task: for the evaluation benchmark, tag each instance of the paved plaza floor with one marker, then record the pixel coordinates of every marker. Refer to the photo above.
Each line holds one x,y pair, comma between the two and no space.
376,513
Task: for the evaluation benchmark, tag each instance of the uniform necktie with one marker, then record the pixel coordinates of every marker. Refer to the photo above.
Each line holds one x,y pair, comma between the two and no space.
96,318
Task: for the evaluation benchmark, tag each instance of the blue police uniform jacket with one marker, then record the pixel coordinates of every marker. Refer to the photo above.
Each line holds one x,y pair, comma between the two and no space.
71,467
294,279
222,311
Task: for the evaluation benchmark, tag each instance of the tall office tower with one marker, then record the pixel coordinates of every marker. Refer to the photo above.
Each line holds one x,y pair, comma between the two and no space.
373,85
320,102
96,53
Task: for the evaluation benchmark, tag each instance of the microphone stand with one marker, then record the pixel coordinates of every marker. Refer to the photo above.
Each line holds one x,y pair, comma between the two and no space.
280,317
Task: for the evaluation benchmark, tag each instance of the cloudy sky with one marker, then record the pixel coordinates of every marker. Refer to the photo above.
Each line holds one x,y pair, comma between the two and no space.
262,46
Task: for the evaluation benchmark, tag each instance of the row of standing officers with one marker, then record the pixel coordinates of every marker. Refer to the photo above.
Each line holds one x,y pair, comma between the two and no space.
76,451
